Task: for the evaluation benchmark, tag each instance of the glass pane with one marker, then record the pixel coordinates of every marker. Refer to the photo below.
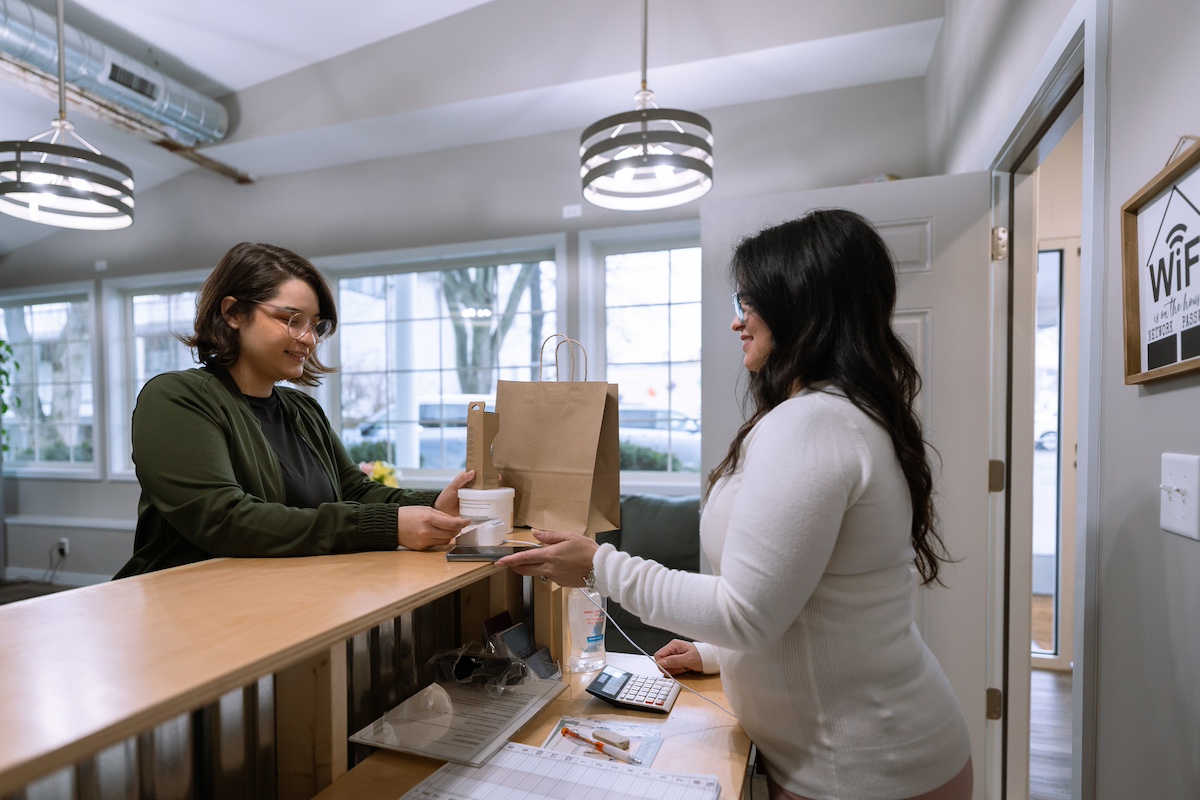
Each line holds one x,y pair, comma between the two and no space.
638,335
654,435
637,278
50,418
685,324
653,347
685,275
1047,400
424,345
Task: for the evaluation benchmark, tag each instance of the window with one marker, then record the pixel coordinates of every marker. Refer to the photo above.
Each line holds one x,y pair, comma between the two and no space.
418,341
50,421
651,335
151,315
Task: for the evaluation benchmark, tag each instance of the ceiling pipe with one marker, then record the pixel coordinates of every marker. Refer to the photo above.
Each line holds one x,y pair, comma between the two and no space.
184,115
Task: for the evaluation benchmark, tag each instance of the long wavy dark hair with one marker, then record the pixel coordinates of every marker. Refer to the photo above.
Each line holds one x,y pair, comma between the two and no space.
253,272
825,285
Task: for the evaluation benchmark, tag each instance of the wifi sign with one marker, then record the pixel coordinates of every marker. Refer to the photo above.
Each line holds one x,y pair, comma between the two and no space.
1174,268
1171,329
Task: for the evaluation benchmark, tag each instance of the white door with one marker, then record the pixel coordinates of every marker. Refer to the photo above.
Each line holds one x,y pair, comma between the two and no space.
952,312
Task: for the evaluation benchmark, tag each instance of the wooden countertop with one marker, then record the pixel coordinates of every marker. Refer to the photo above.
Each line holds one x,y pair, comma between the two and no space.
697,738
84,669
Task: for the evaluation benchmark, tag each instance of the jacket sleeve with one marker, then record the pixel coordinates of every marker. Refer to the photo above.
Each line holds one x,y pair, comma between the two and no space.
216,481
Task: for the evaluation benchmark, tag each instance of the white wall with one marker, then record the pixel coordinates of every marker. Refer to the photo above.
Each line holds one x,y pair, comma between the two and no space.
988,50
505,189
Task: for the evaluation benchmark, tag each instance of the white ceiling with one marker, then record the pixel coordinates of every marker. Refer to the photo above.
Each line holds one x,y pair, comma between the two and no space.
398,77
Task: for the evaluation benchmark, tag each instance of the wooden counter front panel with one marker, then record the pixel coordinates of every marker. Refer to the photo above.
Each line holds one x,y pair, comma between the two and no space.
87,668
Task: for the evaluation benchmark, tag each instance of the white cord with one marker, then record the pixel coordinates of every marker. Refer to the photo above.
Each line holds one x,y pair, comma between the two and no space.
665,674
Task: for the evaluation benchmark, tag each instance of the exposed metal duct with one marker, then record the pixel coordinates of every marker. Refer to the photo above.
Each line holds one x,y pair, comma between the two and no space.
186,116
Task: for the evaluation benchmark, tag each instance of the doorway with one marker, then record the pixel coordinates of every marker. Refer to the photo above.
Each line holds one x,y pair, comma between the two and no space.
1050,308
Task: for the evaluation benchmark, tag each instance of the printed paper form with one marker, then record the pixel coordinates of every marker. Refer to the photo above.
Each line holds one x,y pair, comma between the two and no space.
520,771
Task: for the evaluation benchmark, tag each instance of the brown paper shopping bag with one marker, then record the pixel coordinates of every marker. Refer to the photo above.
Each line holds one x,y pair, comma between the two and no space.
558,448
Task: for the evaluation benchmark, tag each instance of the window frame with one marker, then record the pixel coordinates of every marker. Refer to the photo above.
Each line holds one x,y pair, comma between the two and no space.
116,294
66,292
594,247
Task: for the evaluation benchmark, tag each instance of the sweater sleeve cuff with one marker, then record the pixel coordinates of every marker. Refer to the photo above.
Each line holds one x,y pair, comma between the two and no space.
607,565
377,527
417,497
710,657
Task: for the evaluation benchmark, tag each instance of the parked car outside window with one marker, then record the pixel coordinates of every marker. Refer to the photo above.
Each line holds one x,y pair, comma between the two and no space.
442,434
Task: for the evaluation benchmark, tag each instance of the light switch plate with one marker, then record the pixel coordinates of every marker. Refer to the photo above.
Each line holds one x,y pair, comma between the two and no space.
1179,495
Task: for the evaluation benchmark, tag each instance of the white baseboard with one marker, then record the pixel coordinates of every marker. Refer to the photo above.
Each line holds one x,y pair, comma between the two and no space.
60,578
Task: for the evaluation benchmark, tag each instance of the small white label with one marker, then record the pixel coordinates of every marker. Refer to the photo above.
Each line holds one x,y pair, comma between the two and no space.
570,212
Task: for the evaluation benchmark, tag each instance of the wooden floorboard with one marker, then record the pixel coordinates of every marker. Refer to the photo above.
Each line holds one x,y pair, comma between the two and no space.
1049,735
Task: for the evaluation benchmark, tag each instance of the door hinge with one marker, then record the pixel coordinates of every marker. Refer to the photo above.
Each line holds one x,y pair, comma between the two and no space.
999,244
995,704
995,476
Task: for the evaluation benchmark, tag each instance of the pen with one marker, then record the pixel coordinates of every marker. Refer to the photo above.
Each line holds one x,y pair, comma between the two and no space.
606,749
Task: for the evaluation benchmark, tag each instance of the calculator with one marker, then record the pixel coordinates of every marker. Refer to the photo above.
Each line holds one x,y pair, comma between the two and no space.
644,692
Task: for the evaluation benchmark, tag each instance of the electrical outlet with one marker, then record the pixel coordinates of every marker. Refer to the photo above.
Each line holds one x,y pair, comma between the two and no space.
64,547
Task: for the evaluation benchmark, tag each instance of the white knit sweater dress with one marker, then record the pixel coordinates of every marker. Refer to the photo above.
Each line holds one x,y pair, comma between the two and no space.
810,608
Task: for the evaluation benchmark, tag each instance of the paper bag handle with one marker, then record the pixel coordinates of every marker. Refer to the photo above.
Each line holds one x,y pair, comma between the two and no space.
571,345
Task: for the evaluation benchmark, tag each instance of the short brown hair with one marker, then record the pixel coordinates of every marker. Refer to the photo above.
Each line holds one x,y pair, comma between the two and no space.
253,272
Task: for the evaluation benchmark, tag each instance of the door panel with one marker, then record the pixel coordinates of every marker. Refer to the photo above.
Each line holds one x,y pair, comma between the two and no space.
939,229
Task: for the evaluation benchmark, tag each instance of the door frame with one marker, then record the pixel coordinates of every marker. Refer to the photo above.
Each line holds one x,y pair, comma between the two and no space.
1073,70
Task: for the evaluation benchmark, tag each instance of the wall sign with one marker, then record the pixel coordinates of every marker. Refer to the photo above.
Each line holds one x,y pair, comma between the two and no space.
1160,243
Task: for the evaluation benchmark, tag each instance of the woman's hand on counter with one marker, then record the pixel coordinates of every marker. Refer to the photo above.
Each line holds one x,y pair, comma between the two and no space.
565,558
424,528
678,656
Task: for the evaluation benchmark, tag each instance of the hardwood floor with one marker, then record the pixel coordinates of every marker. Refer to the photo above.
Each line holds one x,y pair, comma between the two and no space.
1049,715
1050,735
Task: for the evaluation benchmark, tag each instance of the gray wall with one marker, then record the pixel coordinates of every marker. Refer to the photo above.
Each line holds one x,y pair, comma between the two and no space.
504,189
1148,615
1144,598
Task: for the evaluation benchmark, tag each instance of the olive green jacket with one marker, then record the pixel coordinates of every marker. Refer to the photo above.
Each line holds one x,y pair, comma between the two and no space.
212,486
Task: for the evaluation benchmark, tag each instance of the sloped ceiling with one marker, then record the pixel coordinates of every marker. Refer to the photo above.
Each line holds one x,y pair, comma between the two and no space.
314,85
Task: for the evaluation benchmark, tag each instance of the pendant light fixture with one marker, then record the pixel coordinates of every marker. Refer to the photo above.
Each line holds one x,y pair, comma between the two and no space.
48,181
648,158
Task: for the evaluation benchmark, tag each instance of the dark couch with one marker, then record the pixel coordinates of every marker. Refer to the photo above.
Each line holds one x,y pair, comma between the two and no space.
662,529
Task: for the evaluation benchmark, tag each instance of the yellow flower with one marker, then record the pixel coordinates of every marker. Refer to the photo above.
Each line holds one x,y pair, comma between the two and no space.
381,472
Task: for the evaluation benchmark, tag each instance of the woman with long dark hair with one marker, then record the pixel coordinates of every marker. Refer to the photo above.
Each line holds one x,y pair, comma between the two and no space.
819,522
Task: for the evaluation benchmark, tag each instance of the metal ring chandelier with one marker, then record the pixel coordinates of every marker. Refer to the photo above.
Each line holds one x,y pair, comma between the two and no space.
649,158
58,184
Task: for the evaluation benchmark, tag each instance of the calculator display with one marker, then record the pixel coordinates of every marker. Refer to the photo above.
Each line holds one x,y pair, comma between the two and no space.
610,681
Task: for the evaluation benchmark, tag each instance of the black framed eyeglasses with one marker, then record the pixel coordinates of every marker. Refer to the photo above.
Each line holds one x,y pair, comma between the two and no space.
738,308
299,323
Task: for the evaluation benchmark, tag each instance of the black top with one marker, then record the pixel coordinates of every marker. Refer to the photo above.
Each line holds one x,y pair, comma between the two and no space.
305,483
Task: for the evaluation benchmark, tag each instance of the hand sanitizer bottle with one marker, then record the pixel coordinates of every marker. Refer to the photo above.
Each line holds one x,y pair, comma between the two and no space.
586,611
